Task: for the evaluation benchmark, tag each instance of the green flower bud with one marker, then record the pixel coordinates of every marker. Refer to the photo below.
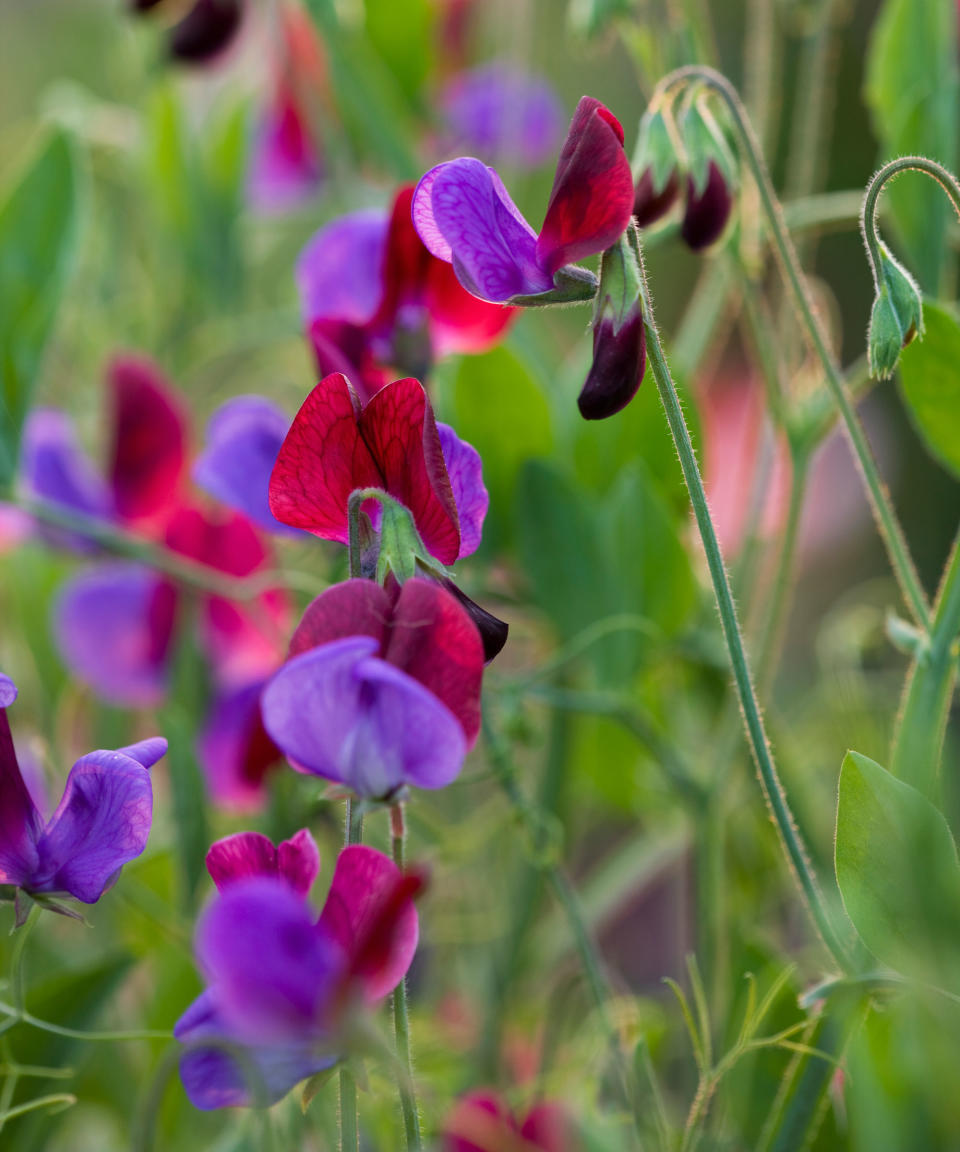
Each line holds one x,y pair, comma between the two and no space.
896,318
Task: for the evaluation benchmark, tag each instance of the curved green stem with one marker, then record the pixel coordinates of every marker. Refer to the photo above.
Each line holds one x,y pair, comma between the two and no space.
868,218
401,1017
769,778
886,518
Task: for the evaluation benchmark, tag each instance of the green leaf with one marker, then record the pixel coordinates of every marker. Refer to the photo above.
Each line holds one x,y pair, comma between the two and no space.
898,873
488,391
930,384
912,91
401,35
38,230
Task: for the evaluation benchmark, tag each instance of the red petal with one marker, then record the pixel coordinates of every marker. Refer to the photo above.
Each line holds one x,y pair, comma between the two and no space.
433,640
149,446
321,461
592,198
406,263
353,608
480,1122
460,321
399,427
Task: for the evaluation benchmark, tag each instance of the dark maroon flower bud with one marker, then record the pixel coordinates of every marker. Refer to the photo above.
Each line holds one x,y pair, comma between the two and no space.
707,212
493,631
648,205
619,360
206,30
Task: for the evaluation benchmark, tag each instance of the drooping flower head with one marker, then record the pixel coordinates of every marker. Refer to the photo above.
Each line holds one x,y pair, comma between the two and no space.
282,982
464,214
376,301
101,823
382,689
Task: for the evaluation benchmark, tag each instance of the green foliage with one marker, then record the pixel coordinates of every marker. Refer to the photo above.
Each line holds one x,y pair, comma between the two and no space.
931,385
400,33
912,90
898,873
39,221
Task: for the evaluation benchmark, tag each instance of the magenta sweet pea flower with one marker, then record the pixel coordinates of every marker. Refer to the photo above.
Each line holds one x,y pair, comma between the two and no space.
285,164
382,689
484,1122
465,216
503,115
281,981
101,823
377,302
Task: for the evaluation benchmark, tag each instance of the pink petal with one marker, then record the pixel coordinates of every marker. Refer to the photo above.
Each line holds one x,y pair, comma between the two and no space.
592,197
479,1122
370,911
247,854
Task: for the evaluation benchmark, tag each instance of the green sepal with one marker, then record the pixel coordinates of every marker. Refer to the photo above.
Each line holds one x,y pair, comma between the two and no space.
704,141
619,293
315,1084
657,149
571,285
401,549
884,336
905,295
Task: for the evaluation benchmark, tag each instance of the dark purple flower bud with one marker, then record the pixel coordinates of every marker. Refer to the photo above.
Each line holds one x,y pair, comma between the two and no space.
648,204
708,211
619,360
493,631
206,30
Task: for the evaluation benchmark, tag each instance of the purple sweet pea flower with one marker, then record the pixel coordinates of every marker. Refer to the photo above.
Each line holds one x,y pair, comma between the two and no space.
341,712
502,114
464,214
100,824
280,979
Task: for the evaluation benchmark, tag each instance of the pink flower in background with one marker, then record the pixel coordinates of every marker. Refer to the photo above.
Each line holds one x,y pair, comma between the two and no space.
484,1122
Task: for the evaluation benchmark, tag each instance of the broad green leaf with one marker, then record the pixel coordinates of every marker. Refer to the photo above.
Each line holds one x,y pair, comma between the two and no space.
930,383
38,230
167,161
898,873
912,90
401,34
500,410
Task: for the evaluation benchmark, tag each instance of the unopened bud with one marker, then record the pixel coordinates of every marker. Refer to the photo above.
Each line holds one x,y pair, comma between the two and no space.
896,317
656,178
619,340
493,631
206,30
711,181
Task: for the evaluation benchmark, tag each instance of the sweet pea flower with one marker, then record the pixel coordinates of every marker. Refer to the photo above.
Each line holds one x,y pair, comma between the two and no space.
382,689
503,114
374,299
204,31
101,823
484,1122
464,215
282,982
335,446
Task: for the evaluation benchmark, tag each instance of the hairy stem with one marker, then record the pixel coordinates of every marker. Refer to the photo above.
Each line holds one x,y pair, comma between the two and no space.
349,1127
401,1018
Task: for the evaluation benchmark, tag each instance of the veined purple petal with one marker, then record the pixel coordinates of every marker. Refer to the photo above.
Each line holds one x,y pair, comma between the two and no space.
104,629
464,215
243,439
274,973
465,469
20,822
503,114
339,271
55,468
341,712
213,1079
101,823
248,854
146,752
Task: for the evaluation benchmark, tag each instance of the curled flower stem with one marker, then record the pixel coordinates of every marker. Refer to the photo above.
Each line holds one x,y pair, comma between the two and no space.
884,514
868,219
756,733
401,1017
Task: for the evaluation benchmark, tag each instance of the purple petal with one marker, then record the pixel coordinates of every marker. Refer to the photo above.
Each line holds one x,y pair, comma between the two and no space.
465,469
503,114
234,750
285,166
339,271
106,634
248,854
20,823
101,823
464,215
273,971
146,752
54,468
243,439
341,712
213,1079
